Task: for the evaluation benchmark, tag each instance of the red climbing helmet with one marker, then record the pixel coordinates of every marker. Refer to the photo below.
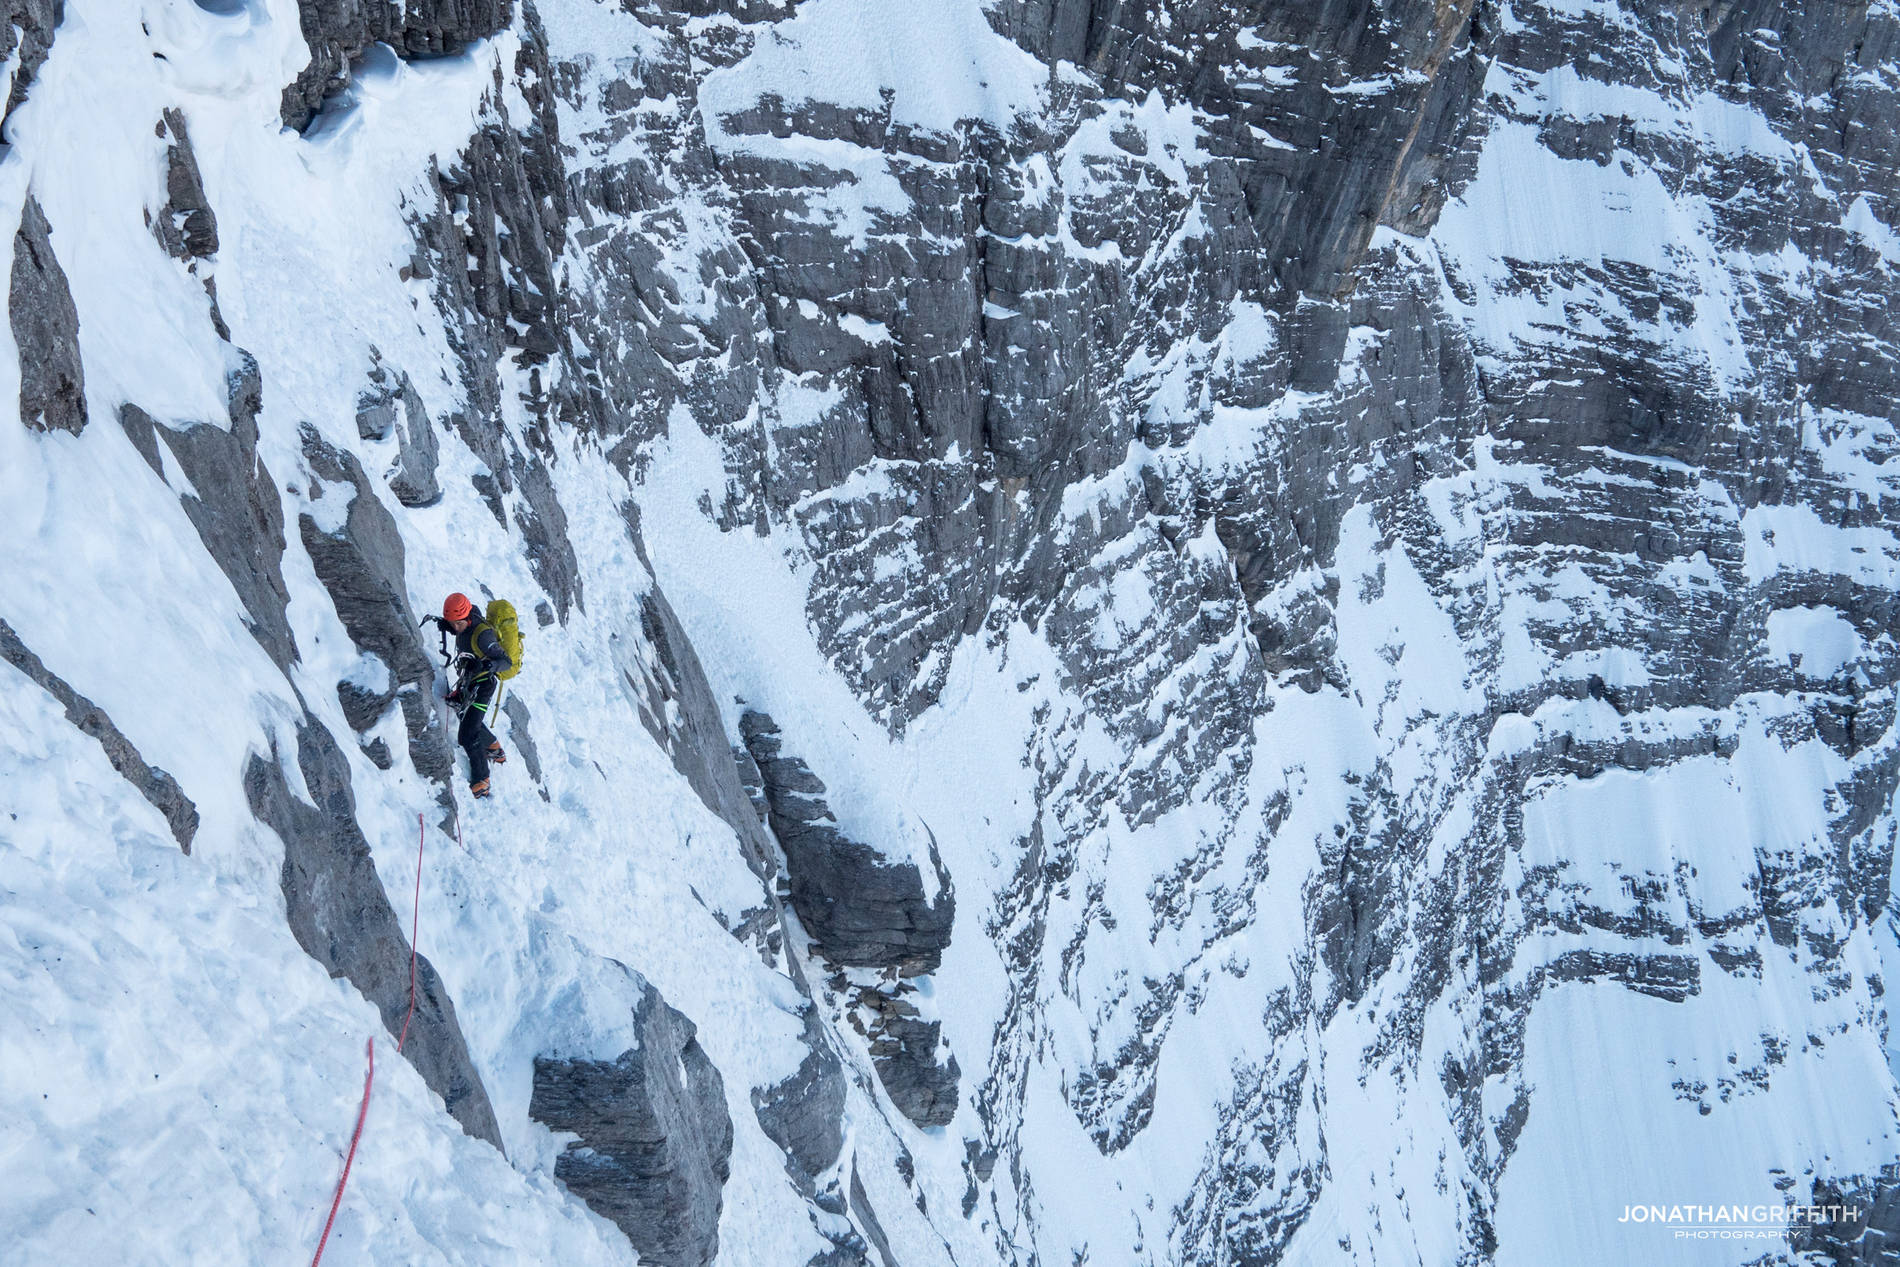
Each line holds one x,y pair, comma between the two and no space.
456,607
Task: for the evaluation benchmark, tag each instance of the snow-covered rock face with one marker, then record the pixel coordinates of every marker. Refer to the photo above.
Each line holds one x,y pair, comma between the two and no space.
1155,633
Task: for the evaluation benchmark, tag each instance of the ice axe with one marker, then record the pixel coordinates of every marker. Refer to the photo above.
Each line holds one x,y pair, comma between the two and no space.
443,630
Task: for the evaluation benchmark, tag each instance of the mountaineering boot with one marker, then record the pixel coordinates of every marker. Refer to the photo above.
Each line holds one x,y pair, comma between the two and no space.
496,755
479,790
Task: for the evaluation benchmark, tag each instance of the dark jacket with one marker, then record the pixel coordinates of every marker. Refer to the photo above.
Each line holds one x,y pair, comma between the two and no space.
480,642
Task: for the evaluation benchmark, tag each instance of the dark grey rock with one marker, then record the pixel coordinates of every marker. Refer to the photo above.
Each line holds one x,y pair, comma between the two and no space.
186,225
337,32
45,330
655,1141
1860,1226
375,415
804,1115
489,247
342,917
413,480
391,408
752,781
1670,977
429,748
863,910
543,526
696,737
520,735
28,27
362,708
844,1252
860,908
362,564
233,502
1321,167
152,783
362,568
905,1050
867,1219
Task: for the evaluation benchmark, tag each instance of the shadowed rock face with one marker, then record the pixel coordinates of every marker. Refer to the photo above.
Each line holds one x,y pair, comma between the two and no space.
361,565
342,918
338,31
27,27
390,408
185,225
804,1114
864,911
232,502
696,738
45,330
655,1137
521,736
1320,168
861,909
919,1076
1865,1229
1055,359
491,267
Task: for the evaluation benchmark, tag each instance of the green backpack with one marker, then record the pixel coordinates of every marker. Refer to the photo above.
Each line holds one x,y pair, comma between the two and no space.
501,618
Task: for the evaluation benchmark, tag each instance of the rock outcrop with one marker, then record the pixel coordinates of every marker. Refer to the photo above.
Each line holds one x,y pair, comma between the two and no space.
677,708
45,330
861,908
908,1050
1196,362
231,500
27,28
804,1115
337,32
655,1142
186,225
360,562
156,786
343,919
864,911
488,249
391,409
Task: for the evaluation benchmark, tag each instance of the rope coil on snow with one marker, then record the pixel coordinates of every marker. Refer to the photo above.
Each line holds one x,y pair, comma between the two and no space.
369,1079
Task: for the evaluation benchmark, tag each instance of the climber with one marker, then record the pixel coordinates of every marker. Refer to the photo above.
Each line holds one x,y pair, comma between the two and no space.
481,662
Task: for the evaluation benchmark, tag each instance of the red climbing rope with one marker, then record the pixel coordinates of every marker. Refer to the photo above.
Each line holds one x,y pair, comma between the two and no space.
415,928
349,1158
369,1079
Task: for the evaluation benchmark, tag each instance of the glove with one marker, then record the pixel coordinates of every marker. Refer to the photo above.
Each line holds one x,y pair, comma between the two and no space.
455,698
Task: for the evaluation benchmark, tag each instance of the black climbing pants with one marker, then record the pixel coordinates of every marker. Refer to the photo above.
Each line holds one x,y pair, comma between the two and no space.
479,700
